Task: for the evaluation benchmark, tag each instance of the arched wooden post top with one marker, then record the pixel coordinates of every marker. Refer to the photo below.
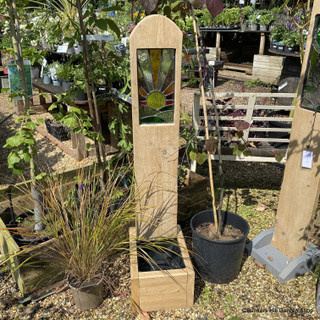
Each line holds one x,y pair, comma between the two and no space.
155,60
157,30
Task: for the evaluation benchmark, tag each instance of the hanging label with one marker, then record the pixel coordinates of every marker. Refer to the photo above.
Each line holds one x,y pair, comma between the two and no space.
241,1
307,159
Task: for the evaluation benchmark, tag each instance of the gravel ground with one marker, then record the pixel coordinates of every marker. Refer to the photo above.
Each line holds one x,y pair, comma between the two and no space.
252,191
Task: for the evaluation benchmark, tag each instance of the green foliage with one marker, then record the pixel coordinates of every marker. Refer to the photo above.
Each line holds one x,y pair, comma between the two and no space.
34,55
22,144
278,32
257,83
6,42
205,295
91,225
266,17
75,118
190,142
66,72
291,38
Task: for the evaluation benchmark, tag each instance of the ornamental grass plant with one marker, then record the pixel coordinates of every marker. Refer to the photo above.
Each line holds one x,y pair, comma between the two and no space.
89,223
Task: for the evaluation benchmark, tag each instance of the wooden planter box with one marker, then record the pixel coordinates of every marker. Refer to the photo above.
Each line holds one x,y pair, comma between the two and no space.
192,197
160,290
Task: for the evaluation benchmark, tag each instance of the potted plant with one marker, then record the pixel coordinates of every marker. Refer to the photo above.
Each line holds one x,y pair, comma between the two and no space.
65,72
244,14
88,227
253,21
46,78
79,87
291,41
53,68
36,57
277,36
232,18
265,19
218,236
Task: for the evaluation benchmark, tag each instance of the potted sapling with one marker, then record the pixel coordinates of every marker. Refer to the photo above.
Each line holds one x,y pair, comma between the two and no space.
218,236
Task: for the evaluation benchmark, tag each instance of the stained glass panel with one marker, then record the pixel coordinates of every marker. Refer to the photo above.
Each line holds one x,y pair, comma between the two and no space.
311,88
156,68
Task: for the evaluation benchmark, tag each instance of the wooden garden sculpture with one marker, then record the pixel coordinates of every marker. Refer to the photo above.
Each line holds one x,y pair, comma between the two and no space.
285,250
155,54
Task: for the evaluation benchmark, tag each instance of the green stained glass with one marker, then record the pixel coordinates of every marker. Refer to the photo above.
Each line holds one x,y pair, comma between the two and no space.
156,68
311,89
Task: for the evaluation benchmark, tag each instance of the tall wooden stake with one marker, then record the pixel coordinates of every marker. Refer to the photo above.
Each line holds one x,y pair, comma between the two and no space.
195,28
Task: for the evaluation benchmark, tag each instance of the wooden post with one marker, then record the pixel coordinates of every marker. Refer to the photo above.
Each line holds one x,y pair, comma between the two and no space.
262,43
155,145
155,54
300,188
218,38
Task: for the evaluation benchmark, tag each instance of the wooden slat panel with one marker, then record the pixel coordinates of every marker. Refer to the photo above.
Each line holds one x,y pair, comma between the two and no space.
197,120
249,94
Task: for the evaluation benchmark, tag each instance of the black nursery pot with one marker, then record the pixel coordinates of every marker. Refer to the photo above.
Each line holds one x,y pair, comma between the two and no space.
218,261
21,240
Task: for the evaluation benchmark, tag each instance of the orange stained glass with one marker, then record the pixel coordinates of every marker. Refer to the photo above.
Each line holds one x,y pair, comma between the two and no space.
142,92
169,90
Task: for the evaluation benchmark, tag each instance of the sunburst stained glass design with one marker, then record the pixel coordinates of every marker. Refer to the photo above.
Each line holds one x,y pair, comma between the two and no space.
311,88
156,68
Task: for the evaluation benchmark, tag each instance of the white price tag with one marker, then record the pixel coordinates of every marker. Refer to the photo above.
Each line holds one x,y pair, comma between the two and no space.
307,159
282,86
62,49
241,2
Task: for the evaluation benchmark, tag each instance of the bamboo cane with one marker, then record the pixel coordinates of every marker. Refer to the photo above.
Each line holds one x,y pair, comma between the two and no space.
195,29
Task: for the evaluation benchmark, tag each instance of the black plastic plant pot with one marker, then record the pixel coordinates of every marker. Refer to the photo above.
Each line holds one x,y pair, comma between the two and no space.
20,236
218,261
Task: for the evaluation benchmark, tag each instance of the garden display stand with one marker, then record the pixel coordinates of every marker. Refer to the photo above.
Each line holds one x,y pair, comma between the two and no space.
155,54
285,250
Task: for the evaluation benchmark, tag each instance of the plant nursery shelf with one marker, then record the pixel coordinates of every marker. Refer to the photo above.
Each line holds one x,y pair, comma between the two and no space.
79,151
286,54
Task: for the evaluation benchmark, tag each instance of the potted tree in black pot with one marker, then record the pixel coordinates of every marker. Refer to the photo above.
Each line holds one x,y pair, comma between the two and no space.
218,236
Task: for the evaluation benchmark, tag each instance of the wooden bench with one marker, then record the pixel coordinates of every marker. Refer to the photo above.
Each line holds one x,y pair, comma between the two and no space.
265,136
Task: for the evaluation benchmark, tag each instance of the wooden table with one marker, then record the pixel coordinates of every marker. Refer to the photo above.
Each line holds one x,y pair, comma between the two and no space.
107,110
219,31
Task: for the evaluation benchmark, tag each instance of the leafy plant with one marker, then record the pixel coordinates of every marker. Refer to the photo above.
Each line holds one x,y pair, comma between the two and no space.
292,38
66,71
257,83
23,145
266,17
34,55
53,69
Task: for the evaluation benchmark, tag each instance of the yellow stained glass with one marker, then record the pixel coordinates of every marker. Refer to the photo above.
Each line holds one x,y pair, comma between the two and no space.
156,100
